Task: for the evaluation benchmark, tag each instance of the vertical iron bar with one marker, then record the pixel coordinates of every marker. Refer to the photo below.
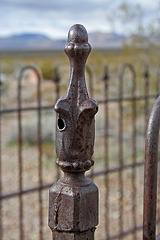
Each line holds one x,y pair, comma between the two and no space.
40,155
106,149
146,103
146,89
158,81
20,142
120,152
90,87
158,93
1,221
133,75
20,160
90,81
134,193
56,80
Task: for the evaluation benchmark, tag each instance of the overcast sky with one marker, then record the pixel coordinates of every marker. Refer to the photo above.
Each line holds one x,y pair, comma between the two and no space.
55,17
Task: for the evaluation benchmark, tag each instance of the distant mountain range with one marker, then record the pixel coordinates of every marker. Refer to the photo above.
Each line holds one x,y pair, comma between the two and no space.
30,41
106,40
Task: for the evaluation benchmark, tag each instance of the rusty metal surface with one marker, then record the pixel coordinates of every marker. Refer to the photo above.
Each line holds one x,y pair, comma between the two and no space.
150,173
89,235
73,201
73,204
75,111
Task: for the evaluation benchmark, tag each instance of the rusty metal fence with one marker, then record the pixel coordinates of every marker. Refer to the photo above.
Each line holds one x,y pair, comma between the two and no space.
27,167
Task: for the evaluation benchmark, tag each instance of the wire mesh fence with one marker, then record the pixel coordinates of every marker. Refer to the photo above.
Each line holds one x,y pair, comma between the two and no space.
27,150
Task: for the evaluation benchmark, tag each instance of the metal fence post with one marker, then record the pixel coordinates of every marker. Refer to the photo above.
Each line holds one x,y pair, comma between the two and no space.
73,199
150,174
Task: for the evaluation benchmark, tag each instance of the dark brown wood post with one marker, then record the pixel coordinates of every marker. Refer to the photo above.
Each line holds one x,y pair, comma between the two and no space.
73,199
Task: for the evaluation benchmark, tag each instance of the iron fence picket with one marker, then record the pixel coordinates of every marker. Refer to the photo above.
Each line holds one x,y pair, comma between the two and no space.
133,99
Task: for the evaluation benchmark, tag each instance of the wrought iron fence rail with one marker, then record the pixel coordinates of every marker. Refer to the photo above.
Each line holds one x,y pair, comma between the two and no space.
94,174
12,110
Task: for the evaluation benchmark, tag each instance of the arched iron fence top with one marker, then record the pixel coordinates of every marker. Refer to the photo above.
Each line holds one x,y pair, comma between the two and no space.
20,144
121,74
123,69
33,68
150,173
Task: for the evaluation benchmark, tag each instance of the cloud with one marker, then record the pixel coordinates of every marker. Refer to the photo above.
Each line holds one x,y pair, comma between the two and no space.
49,14
60,5
54,18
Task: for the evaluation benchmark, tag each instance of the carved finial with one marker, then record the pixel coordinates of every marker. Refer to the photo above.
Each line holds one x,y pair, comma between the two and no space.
73,199
75,111
77,50
78,34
